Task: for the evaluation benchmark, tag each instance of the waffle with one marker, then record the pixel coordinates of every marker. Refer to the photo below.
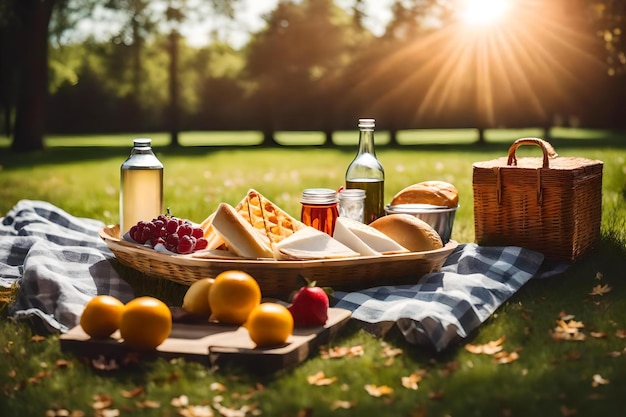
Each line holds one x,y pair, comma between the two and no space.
270,219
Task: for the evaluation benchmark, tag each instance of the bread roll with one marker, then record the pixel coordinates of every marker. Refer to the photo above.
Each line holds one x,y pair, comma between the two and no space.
437,193
412,233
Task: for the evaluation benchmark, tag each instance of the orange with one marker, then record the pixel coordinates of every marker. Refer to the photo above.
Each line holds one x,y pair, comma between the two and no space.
146,323
101,316
270,324
232,297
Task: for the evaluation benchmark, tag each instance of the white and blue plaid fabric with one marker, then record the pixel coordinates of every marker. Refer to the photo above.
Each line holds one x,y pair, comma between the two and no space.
447,305
59,263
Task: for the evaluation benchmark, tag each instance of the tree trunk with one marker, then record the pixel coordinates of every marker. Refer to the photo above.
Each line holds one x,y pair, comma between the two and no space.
481,136
30,118
393,137
328,138
174,113
268,139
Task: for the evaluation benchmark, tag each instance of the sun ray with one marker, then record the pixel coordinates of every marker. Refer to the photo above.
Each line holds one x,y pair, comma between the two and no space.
483,76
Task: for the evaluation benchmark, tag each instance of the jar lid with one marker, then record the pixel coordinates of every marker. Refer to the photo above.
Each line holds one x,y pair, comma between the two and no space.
351,193
318,196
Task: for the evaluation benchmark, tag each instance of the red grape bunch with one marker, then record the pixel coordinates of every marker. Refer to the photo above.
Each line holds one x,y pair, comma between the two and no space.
177,235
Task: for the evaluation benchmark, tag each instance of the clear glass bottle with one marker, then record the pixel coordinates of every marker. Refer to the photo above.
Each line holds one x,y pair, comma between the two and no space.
141,185
366,173
319,209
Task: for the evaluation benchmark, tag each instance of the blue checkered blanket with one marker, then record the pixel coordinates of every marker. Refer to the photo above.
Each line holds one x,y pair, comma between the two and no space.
60,262
447,305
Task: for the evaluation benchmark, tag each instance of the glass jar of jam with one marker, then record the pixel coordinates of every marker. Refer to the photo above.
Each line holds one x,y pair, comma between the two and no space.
319,209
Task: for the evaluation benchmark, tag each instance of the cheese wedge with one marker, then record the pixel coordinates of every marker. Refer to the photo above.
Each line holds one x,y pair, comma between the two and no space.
310,243
365,239
240,236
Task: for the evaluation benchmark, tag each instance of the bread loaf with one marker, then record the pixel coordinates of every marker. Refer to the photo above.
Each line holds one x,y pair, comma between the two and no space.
412,233
437,193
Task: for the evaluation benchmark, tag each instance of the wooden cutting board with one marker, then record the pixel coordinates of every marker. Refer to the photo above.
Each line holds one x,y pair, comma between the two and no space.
217,344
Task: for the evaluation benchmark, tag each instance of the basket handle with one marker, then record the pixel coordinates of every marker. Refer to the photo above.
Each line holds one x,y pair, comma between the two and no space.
546,148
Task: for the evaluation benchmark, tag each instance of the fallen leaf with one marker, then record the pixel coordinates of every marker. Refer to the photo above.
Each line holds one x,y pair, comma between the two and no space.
216,386
505,357
181,401
37,338
378,390
412,381
597,380
341,404
568,329
390,353
599,275
600,289
135,392
341,351
620,334
62,363
488,348
148,404
598,335
101,401
319,379
196,411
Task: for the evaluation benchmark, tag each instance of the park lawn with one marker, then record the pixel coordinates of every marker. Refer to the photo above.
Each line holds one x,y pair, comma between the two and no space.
557,378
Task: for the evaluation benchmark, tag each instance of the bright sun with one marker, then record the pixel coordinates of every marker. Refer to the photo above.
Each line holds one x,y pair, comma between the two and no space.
483,11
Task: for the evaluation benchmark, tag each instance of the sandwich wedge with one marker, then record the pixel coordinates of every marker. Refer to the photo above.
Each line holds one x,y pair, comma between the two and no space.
240,236
310,243
365,239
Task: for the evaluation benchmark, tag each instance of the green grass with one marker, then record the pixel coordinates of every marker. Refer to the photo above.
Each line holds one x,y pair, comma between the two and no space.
81,175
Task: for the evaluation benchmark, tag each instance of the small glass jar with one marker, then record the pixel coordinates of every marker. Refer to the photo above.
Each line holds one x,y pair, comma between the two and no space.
352,203
319,209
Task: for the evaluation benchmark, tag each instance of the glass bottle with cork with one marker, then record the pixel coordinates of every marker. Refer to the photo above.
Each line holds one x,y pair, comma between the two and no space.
366,172
141,185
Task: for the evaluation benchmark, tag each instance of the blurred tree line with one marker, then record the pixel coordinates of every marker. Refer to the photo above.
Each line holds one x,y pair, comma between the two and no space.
314,66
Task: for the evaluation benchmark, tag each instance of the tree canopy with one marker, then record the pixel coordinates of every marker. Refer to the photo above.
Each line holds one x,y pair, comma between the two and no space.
313,66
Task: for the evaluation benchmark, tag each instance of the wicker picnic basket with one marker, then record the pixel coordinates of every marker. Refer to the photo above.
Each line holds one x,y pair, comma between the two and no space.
551,204
281,278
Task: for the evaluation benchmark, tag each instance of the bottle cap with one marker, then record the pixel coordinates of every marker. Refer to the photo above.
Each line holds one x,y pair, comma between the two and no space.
318,196
367,123
142,142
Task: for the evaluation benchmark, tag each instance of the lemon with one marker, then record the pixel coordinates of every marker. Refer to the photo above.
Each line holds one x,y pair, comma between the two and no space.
196,299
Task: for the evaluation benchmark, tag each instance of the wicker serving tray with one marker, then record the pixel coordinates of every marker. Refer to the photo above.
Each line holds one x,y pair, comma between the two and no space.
281,278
